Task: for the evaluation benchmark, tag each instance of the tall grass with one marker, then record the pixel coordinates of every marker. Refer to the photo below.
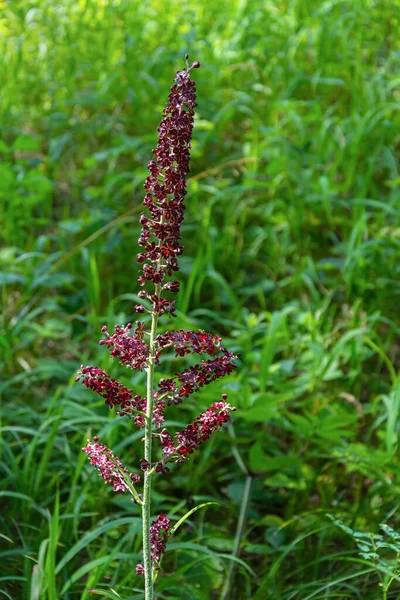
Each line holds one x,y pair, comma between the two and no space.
293,225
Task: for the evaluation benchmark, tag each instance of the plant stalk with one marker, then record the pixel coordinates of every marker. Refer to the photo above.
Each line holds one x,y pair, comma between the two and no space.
244,507
238,537
148,576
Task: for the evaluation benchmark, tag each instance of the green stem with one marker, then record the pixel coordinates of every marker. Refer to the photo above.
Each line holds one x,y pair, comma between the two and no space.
238,537
148,577
235,450
243,513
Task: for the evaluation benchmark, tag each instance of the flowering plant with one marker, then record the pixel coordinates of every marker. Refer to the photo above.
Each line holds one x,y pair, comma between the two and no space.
140,348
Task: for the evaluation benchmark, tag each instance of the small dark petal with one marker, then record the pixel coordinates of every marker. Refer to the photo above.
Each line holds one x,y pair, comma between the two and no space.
160,468
139,421
175,399
172,286
144,465
140,309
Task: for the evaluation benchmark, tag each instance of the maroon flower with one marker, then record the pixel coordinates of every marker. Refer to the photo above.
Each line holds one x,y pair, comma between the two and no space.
129,349
158,537
195,434
166,189
114,392
159,533
192,379
189,342
109,466
144,465
158,414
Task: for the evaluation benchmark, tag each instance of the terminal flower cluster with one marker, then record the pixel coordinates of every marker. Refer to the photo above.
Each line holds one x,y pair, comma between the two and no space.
165,192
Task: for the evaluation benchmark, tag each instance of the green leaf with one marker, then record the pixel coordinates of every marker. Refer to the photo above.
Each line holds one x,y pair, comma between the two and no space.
187,515
239,561
264,407
4,148
26,143
106,593
92,535
259,461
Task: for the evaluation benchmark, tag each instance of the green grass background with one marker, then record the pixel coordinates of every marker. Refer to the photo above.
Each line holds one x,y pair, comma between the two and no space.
292,254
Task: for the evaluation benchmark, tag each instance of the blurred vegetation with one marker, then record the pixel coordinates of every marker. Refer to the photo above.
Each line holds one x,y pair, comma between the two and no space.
292,253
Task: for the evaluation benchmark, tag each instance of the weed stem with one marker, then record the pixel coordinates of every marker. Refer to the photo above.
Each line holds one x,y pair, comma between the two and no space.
238,537
149,591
